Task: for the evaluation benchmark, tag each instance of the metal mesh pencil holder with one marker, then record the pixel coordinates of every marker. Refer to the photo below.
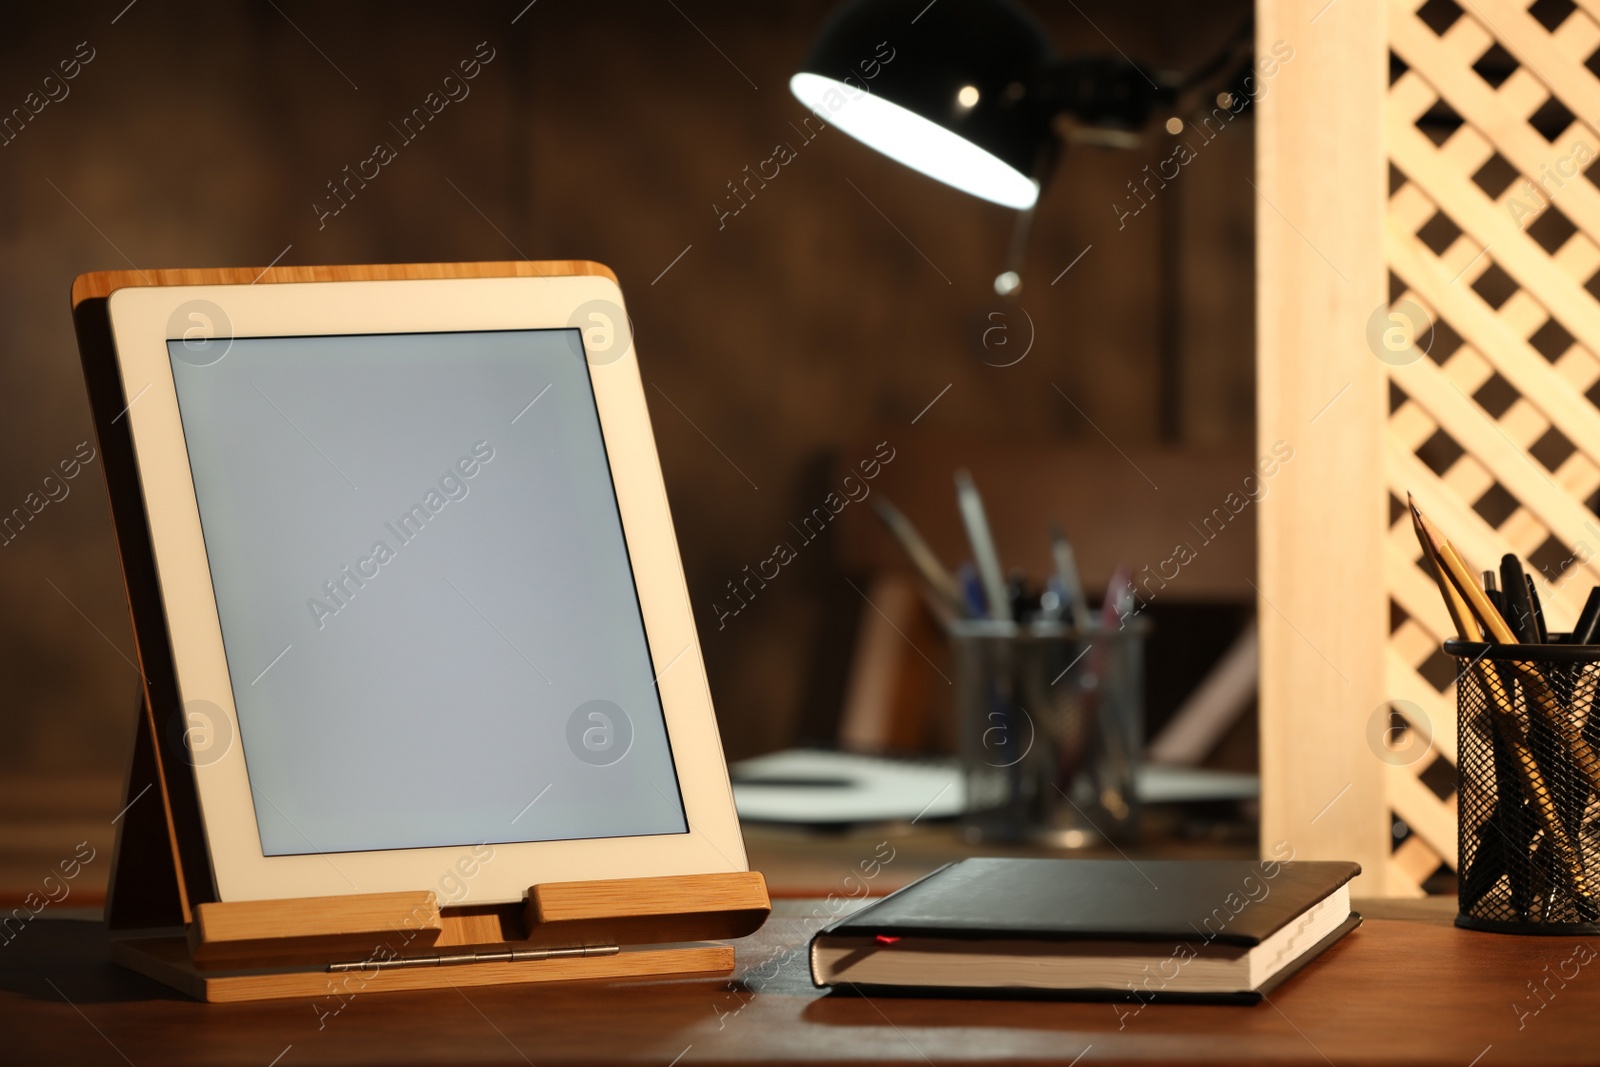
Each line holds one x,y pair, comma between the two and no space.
1529,790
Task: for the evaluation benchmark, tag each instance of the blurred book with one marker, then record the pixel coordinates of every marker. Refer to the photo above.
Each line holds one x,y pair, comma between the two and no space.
816,786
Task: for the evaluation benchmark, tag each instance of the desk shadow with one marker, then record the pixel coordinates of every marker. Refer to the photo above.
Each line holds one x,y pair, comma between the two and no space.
75,955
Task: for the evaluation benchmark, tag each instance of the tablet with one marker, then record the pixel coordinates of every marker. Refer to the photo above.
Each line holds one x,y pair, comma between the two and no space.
427,617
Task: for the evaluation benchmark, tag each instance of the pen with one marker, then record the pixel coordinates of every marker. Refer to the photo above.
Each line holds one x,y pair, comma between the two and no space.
1543,635
1024,603
1077,606
1583,631
1119,602
1492,591
1054,604
984,555
1519,606
974,604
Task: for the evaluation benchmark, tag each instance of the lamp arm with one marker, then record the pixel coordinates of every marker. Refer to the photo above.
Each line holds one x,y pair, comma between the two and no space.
1111,92
1102,91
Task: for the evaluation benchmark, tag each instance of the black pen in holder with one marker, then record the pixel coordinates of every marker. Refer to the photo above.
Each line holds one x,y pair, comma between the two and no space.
1529,787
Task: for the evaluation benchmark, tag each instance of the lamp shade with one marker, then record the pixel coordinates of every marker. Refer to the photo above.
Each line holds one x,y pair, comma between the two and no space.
951,89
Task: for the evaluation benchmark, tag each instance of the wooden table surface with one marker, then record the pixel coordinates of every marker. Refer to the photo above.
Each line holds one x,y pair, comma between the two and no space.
1408,989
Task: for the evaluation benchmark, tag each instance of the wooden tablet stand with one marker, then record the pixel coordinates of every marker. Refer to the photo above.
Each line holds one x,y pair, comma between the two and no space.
336,947
164,919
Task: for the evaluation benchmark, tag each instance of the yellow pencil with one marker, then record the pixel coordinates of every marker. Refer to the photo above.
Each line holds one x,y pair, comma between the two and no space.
1455,581
1460,576
1466,625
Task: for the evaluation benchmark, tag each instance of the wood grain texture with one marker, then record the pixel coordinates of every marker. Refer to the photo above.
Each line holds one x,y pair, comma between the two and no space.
645,911
1320,276
104,283
166,960
311,929
487,925
1145,497
1416,993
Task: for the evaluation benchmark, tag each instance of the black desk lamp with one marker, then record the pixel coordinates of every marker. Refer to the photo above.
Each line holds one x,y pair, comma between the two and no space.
970,92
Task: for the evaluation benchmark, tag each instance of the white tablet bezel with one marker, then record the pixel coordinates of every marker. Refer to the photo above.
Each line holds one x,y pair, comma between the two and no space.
141,321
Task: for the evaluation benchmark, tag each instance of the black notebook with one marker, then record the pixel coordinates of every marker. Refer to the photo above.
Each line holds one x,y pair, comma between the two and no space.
1225,930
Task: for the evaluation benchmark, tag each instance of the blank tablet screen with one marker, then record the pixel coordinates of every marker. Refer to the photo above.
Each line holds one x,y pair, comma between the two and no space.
429,614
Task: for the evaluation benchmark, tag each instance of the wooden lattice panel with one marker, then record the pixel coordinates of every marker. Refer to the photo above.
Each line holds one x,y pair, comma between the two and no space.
1493,230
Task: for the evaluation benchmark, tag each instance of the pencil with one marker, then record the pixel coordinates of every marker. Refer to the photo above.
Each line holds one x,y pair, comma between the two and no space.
934,576
1466,626
1538,792
1460,576
1540,696
1455,574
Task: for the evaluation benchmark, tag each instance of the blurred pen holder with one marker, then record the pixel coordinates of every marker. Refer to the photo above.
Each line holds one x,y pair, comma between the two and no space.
1051,725
1529,787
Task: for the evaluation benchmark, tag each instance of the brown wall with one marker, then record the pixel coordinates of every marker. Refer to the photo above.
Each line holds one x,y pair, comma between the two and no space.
843,299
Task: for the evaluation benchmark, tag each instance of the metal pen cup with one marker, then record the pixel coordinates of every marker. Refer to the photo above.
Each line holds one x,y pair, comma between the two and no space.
1528,787
1051,725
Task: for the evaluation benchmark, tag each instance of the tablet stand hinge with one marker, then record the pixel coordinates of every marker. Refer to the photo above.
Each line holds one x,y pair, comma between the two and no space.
515,955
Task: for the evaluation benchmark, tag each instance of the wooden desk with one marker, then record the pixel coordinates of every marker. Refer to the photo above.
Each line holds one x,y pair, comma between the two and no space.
1408,990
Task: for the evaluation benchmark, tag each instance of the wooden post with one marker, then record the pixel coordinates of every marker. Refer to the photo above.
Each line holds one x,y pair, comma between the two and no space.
1320,274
